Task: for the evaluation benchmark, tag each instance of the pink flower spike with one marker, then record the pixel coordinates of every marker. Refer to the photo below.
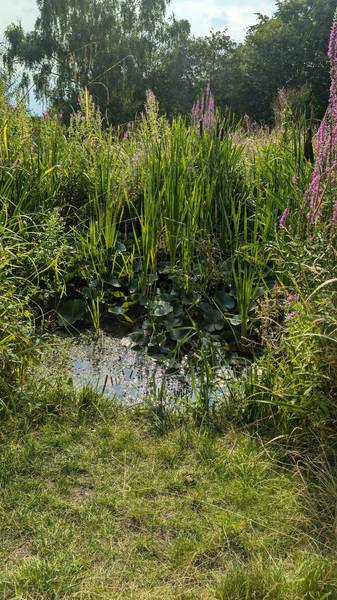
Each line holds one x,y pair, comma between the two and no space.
322,189
284,217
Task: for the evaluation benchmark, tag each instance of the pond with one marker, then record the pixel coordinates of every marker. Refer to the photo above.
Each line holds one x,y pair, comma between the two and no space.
107,362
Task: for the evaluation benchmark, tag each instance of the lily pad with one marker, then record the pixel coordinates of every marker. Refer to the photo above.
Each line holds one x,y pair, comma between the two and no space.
114,282
117,310
213,327
71,311
133,288
161,308
236,320
138,337
224,300
178,334
172,322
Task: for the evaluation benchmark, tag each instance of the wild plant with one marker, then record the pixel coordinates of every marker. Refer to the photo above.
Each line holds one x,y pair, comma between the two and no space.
322,190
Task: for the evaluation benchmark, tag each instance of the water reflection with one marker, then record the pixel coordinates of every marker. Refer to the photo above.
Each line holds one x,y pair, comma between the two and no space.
109,364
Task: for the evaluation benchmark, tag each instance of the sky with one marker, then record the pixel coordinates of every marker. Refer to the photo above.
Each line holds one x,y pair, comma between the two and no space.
203,15
235,15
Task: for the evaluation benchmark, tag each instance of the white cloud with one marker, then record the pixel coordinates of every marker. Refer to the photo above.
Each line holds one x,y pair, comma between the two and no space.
217,14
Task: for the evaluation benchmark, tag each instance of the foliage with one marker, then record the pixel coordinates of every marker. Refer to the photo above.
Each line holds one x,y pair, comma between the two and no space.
109,47
322,191
219,517
165,226
118,49
195,232
288,50
295,382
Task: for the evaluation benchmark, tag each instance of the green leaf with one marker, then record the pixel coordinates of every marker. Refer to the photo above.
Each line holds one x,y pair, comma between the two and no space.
259,292
138,337
71,311
178,334
161,308
89,293
172,322
187,298
224,300
157,352
236,320
120,247
133,288
114,282
206,308
117,310
212,327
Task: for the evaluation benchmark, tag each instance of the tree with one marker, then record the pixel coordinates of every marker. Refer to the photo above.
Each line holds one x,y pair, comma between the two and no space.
288,50
119,48
109,46
186,67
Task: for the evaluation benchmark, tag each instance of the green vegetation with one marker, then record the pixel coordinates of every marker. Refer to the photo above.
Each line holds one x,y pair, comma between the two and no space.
96,502
168,228
121,48
206,236
177,234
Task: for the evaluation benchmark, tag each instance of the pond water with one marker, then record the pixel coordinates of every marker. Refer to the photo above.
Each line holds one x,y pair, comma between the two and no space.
107,362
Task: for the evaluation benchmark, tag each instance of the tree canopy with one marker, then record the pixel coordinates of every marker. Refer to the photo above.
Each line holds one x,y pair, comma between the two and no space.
120,48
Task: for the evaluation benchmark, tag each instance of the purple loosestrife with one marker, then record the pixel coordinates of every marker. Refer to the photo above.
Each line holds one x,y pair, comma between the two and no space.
284,217
203,111
324,179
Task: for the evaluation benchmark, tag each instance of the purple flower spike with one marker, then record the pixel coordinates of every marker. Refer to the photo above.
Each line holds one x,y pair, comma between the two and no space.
203,111
284,217
324,178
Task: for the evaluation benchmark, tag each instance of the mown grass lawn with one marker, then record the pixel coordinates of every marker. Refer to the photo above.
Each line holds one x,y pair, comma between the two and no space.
101,505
